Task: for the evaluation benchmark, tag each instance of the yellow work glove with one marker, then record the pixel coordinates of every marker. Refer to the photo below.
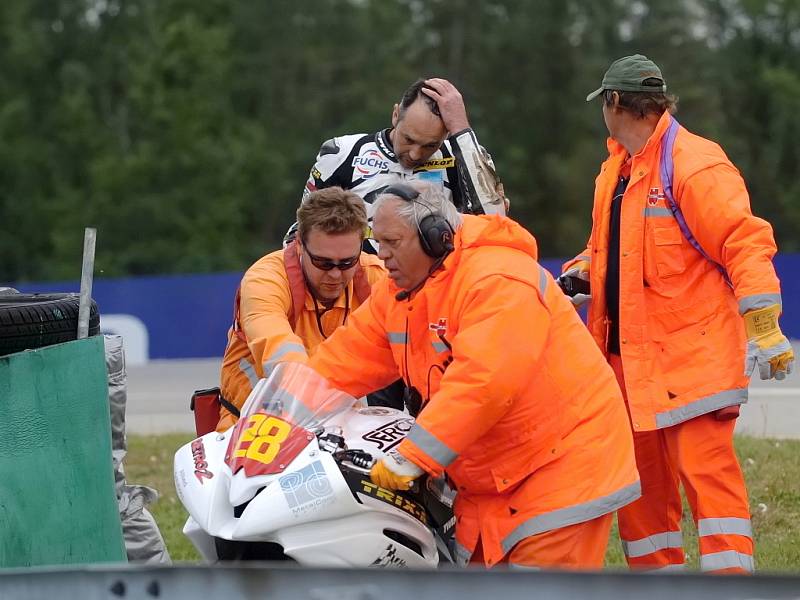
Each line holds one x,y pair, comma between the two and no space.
579,270
767,347
394,472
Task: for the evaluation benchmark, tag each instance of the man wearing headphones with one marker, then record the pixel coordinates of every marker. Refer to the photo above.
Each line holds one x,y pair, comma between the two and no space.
482,333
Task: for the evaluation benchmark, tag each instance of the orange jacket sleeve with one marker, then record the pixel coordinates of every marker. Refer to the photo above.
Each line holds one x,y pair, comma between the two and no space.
485,376
716,206
357,358
264,305
586,255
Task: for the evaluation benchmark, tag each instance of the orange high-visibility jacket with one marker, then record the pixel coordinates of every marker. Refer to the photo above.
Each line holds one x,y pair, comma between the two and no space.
682,339
524,413
265,317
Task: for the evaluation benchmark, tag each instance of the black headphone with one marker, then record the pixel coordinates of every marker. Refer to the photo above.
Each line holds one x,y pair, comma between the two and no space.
435,233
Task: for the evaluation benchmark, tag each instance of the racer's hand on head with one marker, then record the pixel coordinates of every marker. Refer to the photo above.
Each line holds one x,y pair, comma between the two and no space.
450,102
394,472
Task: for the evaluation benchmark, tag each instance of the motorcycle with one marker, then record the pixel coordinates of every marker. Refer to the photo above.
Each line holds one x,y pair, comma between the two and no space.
290,481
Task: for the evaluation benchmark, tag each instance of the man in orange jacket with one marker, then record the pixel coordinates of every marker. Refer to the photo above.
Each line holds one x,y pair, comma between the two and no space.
516,404
685,302
292,299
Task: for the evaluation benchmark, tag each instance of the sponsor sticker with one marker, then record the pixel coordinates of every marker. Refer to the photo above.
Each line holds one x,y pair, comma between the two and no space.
432,177
389,558
412,507
437,163
307,489
388,436
369,163
200,464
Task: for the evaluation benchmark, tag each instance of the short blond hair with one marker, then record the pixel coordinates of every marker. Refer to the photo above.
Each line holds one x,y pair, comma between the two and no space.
332,210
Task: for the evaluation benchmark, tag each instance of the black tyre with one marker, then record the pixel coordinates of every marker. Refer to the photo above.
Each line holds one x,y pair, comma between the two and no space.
30,321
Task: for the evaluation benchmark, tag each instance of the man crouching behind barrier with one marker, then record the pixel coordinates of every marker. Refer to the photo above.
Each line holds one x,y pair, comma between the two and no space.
515,402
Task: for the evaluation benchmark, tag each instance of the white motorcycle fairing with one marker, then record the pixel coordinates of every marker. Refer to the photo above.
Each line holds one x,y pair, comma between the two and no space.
319,507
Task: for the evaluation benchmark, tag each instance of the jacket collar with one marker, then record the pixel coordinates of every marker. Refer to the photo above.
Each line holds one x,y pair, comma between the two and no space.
385,143
652,143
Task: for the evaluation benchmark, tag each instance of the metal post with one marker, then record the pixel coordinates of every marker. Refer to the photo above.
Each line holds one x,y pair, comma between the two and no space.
87,274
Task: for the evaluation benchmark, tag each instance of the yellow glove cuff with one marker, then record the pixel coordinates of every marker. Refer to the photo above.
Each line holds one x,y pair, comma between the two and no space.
762,322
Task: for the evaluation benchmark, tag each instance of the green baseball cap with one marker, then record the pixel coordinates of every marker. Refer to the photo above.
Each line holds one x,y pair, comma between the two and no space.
627,74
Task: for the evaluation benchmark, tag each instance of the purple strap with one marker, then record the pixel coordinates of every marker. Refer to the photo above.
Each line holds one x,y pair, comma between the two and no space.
667,171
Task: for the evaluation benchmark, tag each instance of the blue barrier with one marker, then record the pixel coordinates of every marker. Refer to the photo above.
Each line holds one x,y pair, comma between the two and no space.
187,316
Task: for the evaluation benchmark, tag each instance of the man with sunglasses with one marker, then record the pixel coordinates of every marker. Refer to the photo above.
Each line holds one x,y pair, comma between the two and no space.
292,299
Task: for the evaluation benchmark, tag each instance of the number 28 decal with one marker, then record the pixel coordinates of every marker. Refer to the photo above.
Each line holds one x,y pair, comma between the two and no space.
265,444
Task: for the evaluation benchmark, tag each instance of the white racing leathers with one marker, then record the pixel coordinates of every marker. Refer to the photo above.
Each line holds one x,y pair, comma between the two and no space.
367,164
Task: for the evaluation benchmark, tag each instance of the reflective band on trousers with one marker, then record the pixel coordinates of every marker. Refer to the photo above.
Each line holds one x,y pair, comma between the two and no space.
730,559
701,407
758,301
652,543
571,515
725,526
431,445
397,337
247,368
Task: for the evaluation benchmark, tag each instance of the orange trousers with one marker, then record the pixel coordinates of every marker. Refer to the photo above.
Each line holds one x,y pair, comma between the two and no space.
699,454
579,546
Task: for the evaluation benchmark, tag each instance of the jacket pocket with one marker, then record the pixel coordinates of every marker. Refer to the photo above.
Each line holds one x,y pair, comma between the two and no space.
668,251
523,460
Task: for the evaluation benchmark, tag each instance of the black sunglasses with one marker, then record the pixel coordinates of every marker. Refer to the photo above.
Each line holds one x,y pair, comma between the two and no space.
326,264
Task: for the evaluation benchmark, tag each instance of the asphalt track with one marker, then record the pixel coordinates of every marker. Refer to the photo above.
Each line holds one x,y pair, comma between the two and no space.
159,392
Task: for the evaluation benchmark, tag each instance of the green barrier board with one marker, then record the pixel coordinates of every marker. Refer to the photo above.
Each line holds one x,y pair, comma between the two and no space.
57,499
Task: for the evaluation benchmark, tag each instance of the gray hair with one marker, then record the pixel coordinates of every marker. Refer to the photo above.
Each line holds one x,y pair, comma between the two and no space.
431,201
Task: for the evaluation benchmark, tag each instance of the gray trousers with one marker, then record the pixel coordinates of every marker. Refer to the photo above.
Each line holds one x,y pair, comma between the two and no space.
143,541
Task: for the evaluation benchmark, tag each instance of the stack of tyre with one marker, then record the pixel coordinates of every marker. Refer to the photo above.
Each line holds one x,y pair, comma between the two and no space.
29,321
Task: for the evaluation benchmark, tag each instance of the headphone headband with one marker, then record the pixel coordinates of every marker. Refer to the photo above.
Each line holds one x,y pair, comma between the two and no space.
402,190
435,233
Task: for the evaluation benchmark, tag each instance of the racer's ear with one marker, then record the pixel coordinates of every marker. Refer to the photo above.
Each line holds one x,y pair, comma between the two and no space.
395,115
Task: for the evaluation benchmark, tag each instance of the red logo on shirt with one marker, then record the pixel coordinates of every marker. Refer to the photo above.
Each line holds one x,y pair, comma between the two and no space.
439,328
654,196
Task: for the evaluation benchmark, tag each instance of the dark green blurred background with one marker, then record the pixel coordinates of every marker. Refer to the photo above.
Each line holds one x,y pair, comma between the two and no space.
184,130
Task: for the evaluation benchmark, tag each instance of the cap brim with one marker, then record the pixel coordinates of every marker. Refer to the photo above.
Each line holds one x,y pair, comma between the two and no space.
594,94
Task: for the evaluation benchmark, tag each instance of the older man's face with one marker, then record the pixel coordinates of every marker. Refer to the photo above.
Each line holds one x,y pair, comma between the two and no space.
400,248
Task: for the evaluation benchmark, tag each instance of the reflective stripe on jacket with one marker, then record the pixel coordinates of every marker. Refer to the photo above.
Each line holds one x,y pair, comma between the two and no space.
682,338
270,336
523,412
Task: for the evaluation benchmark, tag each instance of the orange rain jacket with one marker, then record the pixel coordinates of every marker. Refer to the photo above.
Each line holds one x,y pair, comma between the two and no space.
682,338
265,317
524,414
